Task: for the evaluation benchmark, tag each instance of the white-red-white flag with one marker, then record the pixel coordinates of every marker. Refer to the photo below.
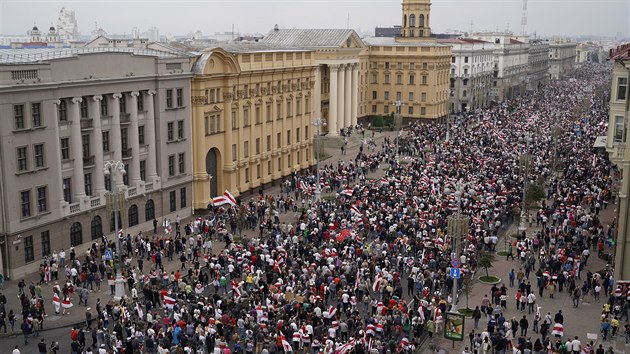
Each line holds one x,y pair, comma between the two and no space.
169,301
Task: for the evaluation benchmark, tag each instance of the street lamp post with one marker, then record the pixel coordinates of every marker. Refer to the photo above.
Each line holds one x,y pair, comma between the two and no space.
398,124
457,228
318,123
523,222
115,201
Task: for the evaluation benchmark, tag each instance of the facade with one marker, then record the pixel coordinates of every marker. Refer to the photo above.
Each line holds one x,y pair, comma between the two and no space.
511,54
619,153
538,60
561,58
471,74
253,106
70,110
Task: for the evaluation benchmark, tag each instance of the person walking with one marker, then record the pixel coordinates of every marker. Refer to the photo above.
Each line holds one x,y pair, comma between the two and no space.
26,330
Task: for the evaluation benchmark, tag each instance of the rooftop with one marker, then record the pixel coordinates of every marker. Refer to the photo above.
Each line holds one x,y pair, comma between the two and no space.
391,42
461,41
39,55
256,47
308,37
621,52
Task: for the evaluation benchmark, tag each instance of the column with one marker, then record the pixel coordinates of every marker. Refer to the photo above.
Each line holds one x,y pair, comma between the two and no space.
227,148
97,144
341,95
317,94
77,151
57,146
355,93
332,101
134,174
347,99
115,138
150,136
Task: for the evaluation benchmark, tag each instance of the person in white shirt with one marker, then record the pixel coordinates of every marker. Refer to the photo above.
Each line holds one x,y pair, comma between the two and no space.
16,350
576,345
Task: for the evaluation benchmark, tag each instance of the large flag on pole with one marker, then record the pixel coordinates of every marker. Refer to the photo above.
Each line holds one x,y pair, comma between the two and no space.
226,198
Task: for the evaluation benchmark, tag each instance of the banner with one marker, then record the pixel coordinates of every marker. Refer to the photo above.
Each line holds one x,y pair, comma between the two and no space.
454,326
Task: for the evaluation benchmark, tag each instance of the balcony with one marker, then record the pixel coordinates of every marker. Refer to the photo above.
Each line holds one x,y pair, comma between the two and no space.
617,152
148,186
124,118
131,192
75,208
95,202
127,153
88,161
86,124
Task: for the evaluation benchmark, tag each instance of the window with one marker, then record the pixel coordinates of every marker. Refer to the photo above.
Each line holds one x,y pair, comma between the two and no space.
141,135
424,79
123,139
307,105
149,210
246,149
42,204
171,165
246,174
83,108
234,154
464,94
96,227
180,162
465,59
278,140
306,136
67,190
88,183
113,225
412,79
76,234
45,243
289,112
374,95
268,142
386,109
279,110
169,98
373,108
465,82
85,143
132,215
410,109
374,78
182,197
39,155
169,131
180,97
143,170
126,175
29,255
25,202
257,115
289,160
258,171
268,113
398,79
180,129
140,102
387,78
108,183
386,65
268,168
172,201
398,96
245,117
22,158
18,116
123,104
452,59
410,96
62,111
386,95
257,146
423,111
36,114
104,110
622,88
105,141
288,137
298,106
297,135
423,97
620,129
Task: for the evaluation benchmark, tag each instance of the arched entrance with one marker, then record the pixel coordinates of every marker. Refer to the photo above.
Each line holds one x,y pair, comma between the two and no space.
212,163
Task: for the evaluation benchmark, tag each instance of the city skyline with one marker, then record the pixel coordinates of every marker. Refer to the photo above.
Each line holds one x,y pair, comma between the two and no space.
546,18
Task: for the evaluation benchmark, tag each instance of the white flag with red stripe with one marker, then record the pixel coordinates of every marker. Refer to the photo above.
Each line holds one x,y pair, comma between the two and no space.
226,198
56,301
285,343
355,210
377,283
139,310
169,301
66,304
348,192
235,288
332,311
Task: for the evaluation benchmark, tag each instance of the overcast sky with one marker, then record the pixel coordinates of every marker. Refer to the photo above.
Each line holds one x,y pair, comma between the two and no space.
546,17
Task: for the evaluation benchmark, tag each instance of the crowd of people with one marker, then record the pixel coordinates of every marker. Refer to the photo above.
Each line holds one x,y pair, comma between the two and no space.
366,271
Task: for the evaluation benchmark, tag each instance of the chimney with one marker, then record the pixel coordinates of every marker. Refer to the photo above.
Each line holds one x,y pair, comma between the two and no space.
275,28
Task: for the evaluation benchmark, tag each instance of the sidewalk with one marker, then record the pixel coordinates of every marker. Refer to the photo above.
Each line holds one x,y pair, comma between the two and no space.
76,314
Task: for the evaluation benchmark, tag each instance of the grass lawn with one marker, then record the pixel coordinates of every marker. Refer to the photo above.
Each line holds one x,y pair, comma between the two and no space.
490,279
466,312
502,253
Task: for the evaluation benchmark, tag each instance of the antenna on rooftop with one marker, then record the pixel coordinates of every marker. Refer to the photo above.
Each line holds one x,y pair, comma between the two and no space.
524,18
471,26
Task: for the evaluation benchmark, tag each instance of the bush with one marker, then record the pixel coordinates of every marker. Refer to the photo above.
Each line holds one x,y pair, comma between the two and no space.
502,253
489,279
388,121
466,312
378,122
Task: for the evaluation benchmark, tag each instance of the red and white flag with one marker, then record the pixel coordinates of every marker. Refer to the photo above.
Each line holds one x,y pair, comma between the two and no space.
169,301
377,283
345,348
348,192
56,300
558,330
226,198
235,288
355,210
384,181
332,311
66,304
302,186
286,346
139,310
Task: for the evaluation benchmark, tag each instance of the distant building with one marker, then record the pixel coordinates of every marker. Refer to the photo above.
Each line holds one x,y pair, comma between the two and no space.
471,73
561,58
105,42
387,31
67,25
538,60
619,152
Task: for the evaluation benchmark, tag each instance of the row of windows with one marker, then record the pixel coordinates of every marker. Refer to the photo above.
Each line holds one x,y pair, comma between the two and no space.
399,80
410,109
289,141
24,161
62,109
179,98
289,163
40,198
20,119
386,96
476,58
170,130
181,164
399,66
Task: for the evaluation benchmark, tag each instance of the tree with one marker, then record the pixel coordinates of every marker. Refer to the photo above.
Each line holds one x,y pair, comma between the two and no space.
468,283
486,260
241,219
534,194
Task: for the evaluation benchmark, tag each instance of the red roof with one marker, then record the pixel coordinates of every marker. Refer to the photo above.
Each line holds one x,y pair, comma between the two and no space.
460,40
514,41
621,52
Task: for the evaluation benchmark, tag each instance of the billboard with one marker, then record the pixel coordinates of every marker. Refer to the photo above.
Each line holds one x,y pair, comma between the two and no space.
454,326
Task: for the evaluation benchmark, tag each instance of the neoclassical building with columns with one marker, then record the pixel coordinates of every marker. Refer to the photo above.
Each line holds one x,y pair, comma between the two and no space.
67,112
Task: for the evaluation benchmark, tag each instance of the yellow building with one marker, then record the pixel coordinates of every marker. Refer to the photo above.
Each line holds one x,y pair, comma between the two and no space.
251,123
411,68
